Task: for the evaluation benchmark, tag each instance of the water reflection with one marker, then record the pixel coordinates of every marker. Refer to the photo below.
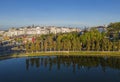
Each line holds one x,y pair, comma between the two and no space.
74,62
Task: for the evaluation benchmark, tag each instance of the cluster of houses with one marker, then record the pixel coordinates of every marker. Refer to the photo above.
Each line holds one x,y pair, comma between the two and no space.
22,32
37,30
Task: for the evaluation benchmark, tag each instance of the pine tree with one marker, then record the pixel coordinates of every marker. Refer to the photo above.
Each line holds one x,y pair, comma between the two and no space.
88,45
97,46
37,46
27,47
118,46
32,47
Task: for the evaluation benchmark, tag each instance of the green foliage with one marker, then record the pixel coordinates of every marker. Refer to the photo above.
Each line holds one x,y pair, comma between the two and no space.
37,45
32,47
27,47
91,40
114,26
118,46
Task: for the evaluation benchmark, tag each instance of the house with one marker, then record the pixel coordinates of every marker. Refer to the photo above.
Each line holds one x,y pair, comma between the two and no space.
31,31
101,29
58,30
38,30
52,30
65,30
1,32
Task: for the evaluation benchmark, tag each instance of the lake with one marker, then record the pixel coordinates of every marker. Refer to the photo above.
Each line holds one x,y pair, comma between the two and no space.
60,69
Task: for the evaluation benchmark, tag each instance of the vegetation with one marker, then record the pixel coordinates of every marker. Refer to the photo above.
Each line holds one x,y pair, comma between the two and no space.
91,40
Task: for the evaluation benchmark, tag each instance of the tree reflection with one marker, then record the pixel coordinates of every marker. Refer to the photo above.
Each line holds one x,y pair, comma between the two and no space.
27,64
74,62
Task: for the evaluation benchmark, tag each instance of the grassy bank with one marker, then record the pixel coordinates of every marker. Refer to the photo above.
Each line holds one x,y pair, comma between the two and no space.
68,53
64,53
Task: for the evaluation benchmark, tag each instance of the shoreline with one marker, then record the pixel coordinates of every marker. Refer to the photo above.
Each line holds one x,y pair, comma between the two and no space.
64,53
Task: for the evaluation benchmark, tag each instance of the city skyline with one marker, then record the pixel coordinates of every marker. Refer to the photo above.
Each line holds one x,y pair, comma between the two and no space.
58,12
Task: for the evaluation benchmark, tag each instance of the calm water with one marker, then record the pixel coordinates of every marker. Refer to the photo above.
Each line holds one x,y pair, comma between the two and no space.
60,69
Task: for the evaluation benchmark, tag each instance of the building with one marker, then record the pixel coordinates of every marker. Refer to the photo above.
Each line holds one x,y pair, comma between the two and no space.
1,32
101,29
38,30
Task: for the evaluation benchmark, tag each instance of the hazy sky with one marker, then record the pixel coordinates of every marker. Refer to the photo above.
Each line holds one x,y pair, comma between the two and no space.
58,12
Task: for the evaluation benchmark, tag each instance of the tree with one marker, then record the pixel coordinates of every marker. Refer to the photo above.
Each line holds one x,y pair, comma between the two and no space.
27,47
50,42
32,47
37,45
97,46
79,44
109,45
45,45
54,45
88,45
114,46
58,41
118,46
114,26
74,44
93,46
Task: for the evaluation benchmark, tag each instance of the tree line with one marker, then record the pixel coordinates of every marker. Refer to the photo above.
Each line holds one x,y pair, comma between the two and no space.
91,40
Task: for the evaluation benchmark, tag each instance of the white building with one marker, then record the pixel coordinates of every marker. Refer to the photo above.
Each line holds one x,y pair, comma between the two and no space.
39,30
31,31
52,30
65,30
1,32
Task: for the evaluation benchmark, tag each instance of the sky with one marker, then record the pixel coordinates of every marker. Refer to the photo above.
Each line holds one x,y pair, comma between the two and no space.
58,12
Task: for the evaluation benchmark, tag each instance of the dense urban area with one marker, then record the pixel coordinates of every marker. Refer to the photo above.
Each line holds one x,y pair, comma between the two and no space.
37,39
